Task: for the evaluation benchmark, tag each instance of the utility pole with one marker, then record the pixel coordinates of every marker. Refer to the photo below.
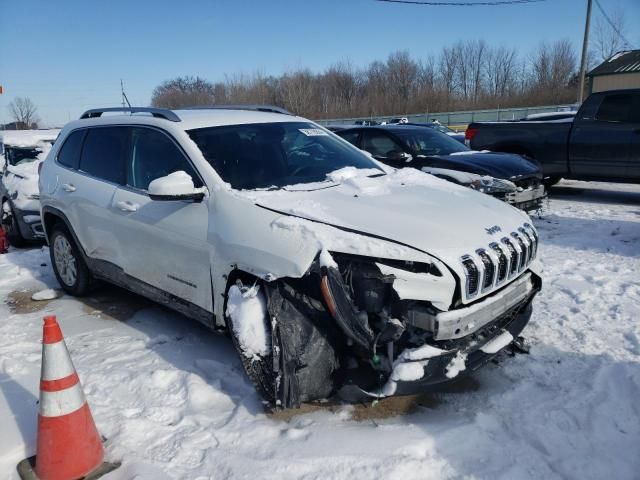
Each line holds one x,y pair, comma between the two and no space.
583,61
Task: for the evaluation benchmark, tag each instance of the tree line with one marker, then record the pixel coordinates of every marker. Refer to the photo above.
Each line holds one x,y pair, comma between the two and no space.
463,76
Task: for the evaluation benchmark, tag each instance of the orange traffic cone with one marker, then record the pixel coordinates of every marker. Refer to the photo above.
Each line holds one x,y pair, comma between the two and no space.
69,446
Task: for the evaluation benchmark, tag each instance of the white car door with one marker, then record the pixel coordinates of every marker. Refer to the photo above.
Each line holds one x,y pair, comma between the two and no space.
88,183
162,243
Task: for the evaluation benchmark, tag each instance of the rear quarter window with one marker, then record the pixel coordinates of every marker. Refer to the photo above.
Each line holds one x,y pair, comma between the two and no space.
69,154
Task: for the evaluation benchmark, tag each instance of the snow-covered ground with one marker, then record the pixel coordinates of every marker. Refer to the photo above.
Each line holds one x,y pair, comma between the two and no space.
172,400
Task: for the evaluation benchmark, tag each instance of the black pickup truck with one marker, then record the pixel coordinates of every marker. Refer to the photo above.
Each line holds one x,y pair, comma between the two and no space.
602,142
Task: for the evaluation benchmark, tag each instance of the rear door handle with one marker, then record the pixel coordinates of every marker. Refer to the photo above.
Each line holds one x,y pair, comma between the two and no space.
127,206
68,187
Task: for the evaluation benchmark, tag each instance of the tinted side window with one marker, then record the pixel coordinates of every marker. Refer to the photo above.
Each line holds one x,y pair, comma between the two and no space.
378,144
155,155
615,108
351,137
104,153
69,154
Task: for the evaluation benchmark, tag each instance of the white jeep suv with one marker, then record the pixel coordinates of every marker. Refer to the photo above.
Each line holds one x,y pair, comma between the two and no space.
329,270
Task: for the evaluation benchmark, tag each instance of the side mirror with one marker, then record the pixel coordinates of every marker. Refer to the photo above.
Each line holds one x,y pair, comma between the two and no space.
398,156
175,186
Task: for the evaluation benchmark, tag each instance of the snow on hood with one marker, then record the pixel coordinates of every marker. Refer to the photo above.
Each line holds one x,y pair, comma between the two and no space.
409,207
27,138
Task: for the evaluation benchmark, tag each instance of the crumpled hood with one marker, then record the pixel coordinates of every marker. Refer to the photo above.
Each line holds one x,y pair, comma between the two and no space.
406,206
499,165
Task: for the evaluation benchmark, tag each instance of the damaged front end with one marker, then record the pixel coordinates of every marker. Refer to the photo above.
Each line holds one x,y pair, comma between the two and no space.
378,327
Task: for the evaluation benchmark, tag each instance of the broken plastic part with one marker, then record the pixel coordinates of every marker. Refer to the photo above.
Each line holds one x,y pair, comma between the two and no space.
341,307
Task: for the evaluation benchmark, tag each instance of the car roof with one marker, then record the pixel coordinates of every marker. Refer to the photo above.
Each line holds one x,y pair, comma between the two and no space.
187,119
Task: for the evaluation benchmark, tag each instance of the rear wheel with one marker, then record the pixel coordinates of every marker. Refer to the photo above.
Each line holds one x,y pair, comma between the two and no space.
11,227
68,265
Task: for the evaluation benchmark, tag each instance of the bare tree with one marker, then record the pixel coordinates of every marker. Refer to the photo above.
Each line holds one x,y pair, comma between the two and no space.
402,73
297,90
553,66
501,71
23,111
465,75
607,39
183,92
447,69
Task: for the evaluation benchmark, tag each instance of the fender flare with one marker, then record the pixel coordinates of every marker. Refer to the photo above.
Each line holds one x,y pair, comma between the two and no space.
47,213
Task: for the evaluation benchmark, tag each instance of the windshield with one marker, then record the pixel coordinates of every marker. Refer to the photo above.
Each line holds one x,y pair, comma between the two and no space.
16,156
263,155
427,141
442,128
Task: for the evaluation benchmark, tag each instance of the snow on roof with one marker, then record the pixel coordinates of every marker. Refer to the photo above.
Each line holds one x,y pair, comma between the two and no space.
27,138
621,62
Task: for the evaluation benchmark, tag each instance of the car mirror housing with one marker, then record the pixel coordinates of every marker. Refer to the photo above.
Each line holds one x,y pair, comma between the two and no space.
175,186
399,156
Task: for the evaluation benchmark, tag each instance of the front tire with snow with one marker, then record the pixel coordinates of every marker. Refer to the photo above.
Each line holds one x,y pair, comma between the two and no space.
68,264
295,358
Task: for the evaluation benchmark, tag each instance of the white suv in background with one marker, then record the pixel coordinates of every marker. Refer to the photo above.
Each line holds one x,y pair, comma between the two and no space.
329,270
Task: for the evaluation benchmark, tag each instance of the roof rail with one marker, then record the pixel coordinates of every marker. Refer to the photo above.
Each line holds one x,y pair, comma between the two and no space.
156,112
257,108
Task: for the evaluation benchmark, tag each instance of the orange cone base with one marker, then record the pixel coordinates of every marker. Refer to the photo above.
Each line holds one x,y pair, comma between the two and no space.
27,470
69,446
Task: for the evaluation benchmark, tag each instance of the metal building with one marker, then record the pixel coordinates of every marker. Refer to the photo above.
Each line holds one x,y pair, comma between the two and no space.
622,70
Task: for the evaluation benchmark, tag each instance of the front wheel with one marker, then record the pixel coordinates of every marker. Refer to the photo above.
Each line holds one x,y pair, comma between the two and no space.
248,324
68,265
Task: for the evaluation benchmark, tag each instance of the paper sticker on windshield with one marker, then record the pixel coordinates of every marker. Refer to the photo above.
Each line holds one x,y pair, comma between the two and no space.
314,132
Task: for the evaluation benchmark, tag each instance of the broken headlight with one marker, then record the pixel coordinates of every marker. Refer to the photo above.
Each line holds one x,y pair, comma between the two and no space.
491,185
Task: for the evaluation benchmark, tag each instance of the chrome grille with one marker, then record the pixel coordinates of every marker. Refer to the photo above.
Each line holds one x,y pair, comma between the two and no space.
502,262
489,267
523,250
472,275
513,254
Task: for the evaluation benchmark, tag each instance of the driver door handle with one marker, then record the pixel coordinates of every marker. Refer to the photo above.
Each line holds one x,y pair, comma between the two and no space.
68,187
127,206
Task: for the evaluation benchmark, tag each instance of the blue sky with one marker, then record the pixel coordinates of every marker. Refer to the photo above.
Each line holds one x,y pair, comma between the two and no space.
69,55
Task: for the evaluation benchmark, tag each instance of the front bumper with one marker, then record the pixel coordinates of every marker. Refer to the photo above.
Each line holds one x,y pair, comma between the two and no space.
436,369
30,224
527,200
456,357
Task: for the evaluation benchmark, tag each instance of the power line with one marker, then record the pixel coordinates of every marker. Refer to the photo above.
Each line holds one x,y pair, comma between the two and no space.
610,22
463,4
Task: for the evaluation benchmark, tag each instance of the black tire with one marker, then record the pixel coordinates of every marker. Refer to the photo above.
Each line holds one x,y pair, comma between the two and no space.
11,227
259,371
303,368
550,182
64,256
